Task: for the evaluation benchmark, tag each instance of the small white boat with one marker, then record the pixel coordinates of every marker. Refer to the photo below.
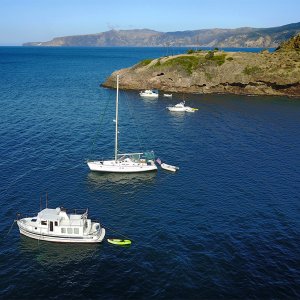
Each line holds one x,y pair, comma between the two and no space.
56,225
168,95
180,107
169,167
149,93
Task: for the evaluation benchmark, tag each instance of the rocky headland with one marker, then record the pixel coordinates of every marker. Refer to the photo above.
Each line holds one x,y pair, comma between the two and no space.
264,73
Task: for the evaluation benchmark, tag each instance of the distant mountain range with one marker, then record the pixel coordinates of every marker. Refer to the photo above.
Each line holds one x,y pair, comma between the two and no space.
240,37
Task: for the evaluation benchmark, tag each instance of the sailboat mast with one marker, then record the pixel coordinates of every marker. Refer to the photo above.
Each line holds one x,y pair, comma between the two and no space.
117,110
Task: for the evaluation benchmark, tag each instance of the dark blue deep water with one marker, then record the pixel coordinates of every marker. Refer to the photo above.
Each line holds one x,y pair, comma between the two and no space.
227,225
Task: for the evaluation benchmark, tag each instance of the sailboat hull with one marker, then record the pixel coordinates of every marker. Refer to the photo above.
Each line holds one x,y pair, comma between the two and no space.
112,166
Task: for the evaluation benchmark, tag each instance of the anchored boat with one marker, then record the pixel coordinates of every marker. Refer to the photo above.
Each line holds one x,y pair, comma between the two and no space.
56,225
168,95
149,93
169,167
124,162
166,166
180,107
119,242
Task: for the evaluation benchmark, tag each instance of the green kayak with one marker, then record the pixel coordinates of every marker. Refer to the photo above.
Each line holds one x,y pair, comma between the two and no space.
119,242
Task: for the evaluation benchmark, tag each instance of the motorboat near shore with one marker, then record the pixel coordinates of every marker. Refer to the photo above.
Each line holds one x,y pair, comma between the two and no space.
149,93
168,95
57,225
180,107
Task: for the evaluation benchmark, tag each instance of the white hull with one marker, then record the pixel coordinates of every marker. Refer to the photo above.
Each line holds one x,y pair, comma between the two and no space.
181,109
149,94
169,167
177,109
120,167
62,239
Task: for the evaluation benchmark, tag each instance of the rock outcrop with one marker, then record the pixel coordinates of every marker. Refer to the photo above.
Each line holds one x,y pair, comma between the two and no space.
263,73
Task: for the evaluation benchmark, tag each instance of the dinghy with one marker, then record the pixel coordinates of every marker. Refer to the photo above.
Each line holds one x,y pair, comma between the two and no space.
169,167
119,242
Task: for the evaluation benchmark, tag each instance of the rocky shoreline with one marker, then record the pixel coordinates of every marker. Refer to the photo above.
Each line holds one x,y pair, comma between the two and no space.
205,72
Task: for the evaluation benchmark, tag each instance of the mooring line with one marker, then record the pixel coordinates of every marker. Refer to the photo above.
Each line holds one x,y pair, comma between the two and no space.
118,232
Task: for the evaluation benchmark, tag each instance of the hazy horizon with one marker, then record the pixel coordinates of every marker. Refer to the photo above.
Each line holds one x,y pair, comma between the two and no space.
39,21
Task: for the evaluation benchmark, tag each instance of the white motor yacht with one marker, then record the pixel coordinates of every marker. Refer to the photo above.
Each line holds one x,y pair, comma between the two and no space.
149,93
56,225
180,107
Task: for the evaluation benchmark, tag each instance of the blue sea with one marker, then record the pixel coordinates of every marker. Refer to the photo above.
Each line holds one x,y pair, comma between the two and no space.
225,226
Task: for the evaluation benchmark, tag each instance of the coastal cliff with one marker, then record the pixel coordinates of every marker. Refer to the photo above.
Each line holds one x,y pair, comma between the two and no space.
263,73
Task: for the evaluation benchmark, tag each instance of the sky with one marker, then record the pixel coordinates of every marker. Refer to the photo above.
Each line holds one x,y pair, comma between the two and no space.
41,20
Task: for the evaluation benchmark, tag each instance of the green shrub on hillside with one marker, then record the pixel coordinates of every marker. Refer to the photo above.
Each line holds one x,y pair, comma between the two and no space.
251,70
190,51
158,63
209,55
188,63
218,59
144,62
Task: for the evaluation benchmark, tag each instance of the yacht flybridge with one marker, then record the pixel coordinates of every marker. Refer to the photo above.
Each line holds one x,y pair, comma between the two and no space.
124,162
56,225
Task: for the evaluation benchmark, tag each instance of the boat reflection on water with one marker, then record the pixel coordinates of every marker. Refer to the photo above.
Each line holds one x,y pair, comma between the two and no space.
49,254
100,180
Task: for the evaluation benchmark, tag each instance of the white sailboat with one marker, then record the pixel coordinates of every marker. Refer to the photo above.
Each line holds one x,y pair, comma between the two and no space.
124,162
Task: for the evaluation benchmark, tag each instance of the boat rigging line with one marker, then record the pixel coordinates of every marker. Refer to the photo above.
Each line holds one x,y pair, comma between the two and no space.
100,125
134,121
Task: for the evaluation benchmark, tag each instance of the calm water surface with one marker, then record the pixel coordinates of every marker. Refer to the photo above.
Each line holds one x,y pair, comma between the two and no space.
225,226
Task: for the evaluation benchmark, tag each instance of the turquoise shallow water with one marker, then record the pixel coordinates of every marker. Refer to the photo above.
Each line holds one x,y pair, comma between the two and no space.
225,226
